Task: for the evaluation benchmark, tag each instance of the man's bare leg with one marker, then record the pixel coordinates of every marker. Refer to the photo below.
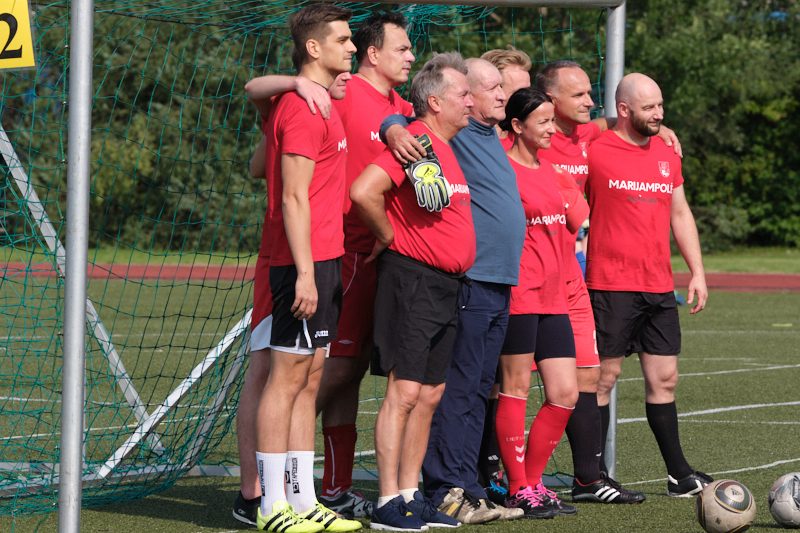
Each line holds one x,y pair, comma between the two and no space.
255,380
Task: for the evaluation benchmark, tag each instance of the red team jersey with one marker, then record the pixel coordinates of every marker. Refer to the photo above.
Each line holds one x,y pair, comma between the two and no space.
444,240
571,153
630,196
292,129
362,110
542,286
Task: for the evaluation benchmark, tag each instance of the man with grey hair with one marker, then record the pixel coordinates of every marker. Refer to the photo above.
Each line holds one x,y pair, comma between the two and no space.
422,256
450,468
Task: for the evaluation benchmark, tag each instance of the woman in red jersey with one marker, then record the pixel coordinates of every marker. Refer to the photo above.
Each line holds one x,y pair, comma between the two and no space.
539,328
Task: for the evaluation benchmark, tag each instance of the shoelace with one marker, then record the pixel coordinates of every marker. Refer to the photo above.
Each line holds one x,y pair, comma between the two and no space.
530,496
541,489
472,501
496,487
428,509
613,483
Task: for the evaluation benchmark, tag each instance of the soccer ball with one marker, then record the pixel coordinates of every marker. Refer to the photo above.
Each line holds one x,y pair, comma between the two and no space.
725,506
784,500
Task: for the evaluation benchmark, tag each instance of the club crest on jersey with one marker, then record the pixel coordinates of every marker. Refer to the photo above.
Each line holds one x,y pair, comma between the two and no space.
583,150
663,167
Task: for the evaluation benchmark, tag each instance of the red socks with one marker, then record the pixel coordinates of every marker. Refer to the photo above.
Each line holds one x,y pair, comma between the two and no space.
545,434
510,429
340,447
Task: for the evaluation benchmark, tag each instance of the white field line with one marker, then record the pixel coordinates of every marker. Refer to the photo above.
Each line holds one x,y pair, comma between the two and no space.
715,411
114,336
95,430
721,372
739,331
725,472
639,378
744,422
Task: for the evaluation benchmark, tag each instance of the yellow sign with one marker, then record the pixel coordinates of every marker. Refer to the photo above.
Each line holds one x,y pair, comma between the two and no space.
16,40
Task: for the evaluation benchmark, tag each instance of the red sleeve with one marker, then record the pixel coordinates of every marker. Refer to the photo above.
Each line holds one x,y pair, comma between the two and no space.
577,209
678,175
301,132
265,118
342,107
407,108
391,166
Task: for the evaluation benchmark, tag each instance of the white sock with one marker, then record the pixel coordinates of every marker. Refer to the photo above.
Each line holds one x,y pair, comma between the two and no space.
408,494
270,474
300,480
383,500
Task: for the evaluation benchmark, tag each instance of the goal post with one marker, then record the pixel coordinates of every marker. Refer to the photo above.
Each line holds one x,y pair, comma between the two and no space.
143,384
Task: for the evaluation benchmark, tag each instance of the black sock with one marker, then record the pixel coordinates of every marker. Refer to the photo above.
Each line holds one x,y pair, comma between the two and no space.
489,457
584,432
663,420
605,420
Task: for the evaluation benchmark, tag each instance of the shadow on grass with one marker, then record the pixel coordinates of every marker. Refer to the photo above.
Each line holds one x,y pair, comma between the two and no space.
206,503
201,502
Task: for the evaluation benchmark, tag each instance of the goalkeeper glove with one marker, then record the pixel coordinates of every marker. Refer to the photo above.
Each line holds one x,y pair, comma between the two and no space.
433,190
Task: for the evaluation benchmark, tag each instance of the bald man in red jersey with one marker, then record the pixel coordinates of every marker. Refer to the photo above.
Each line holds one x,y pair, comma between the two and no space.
636,195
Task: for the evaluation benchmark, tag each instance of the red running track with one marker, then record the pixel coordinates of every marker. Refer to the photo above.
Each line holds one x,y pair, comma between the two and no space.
732,282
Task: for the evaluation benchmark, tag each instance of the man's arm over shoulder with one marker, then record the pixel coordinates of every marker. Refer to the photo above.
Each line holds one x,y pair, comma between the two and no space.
261,91
684,230
404,146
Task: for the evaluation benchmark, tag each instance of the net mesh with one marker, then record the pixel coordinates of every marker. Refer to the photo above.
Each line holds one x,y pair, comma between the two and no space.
175,225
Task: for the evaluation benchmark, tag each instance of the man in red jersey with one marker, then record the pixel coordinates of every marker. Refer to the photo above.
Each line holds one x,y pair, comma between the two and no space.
569,87
636,196
422,256
305,164
384,62
248,499
384,56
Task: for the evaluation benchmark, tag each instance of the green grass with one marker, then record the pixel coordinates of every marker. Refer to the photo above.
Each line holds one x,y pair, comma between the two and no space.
755,260
127,256
743,350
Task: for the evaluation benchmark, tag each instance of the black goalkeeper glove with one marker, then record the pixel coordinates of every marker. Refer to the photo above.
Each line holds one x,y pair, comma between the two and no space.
433,190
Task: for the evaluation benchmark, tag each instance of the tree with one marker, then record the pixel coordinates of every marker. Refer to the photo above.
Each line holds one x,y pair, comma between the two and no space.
730,76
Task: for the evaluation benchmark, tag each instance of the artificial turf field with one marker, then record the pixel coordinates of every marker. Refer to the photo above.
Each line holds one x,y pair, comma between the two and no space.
738,399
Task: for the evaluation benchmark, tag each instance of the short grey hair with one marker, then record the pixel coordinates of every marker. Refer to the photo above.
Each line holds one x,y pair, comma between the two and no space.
547,78
430,80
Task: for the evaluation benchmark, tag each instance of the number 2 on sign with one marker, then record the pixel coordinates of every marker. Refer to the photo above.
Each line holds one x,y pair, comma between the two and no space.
9,19
16,42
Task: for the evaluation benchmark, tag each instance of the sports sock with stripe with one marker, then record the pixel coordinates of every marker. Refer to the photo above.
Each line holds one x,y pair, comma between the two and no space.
663,421
584,433
510,427
545,434
270,475
300,480
340,446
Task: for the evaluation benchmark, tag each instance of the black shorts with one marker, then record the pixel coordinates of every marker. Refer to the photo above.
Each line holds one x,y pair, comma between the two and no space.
546,336
299,336
416,315
633,322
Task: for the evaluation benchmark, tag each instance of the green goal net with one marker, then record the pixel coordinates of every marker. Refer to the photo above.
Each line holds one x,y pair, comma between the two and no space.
175,225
